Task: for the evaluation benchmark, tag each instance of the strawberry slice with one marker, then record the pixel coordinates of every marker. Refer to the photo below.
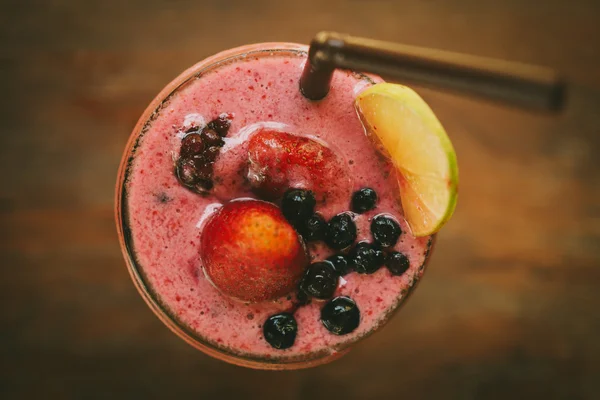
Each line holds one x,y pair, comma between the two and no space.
279,161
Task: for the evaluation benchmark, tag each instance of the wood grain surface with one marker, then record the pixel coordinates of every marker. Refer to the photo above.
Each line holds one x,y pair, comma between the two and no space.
510,305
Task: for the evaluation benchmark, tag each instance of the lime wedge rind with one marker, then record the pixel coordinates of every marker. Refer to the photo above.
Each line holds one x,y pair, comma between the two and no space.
395,116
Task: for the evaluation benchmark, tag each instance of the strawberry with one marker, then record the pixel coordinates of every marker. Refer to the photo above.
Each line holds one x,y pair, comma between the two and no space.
250,252
280,160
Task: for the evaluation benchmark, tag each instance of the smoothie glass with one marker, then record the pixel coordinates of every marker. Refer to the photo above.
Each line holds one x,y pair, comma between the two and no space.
129,252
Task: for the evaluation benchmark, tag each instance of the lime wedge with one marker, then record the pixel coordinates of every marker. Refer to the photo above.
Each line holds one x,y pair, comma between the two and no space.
404,128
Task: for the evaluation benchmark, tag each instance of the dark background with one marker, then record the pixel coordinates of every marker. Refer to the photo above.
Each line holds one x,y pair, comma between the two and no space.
510,307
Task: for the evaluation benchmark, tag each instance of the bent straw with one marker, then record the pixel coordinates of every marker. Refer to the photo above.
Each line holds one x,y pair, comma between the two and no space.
512,83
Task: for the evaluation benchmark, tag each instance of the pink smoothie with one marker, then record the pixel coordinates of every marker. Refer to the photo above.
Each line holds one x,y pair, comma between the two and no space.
165,219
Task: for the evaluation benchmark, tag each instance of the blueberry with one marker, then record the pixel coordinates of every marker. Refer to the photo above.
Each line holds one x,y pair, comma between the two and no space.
220,125
385,230
340,316
320,280
313,228
302,298
341,231
280,330
340,264
191,144
298,205
366,258
364,200
211,138
397,263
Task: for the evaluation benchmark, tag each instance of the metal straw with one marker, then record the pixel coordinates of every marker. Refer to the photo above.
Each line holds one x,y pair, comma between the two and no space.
508,82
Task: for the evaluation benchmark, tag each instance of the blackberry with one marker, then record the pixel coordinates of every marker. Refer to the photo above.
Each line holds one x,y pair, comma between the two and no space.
197,154
191,144
220,125
185,170
211,138
210,154
195,174
203,186
193,129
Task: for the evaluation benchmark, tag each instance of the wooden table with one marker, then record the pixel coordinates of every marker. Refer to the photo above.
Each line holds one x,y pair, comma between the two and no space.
510,307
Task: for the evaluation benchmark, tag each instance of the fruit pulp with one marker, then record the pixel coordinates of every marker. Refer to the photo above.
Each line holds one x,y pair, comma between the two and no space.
160,221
